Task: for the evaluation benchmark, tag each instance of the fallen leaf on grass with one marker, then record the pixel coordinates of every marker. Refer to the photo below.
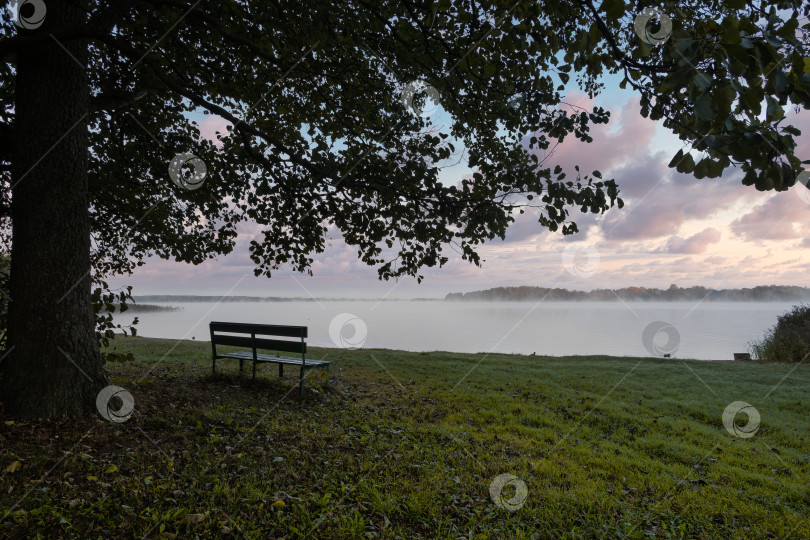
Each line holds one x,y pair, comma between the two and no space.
279,504
194,518
14,467
111,469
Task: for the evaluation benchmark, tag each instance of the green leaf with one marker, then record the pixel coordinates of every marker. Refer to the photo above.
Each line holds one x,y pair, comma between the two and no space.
775,111
751,100
614,9
711,141
702,168
686,164
715,169
750,178
674,162
702,81
704,107
724,98
730,30
780,82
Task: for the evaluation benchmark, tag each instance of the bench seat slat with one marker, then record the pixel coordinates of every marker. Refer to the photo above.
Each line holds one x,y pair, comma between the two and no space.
245,355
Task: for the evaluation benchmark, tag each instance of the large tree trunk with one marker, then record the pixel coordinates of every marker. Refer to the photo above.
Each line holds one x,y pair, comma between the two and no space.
53,367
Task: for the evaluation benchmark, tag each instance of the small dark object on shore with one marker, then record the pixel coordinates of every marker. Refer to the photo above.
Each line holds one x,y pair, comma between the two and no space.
667,356
742,356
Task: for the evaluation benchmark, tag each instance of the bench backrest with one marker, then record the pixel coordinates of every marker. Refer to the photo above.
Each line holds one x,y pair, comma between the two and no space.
247,336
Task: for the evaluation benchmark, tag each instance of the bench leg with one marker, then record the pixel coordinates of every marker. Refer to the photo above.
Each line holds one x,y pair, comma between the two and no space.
214,366
281,370
301,382
254,370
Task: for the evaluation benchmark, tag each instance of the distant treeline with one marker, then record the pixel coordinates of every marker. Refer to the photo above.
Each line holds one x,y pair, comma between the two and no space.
150,307
200,298
674,293
161,298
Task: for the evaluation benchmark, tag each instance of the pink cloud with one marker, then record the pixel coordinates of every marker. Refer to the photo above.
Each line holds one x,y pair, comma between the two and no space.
211,125
615,144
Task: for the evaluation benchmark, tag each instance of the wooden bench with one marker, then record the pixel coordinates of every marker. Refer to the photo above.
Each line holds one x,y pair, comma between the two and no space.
245,335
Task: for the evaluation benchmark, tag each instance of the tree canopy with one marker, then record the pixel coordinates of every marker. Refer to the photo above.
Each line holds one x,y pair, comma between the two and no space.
321,135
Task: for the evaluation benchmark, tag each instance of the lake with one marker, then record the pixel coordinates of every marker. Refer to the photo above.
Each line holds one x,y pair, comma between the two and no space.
706,331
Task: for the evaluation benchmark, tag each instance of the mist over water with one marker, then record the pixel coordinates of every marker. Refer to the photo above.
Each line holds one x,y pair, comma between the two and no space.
705,331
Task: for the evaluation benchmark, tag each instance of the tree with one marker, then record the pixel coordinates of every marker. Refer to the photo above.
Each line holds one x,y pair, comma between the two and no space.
321,98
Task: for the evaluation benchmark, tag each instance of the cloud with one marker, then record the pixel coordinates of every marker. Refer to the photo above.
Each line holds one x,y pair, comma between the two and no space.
616,148
697,243
658,200
784,216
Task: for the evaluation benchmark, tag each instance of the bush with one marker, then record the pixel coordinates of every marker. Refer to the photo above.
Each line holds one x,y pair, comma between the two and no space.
118,357
789,340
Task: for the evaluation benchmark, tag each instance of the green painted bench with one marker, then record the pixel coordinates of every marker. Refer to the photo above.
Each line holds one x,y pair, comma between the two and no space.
246,335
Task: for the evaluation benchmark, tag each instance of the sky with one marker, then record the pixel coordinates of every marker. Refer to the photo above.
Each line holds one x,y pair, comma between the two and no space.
673,229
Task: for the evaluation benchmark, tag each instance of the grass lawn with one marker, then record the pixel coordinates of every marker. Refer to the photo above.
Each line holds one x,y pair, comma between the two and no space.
407,445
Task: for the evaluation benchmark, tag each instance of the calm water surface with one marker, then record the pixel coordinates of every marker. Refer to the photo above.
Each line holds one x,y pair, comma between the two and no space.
708,331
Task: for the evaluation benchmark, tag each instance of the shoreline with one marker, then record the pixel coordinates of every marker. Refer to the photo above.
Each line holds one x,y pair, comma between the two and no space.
333,350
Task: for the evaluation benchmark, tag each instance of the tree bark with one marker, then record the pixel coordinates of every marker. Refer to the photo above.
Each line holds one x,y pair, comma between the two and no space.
53,366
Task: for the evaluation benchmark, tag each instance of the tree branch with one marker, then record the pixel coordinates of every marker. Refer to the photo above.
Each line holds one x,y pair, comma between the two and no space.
618,53
113,101
185,91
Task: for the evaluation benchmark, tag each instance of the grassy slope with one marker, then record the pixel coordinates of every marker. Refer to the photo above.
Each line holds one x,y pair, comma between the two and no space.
608,447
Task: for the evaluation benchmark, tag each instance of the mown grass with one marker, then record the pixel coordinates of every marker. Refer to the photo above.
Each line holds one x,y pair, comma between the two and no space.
406,445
